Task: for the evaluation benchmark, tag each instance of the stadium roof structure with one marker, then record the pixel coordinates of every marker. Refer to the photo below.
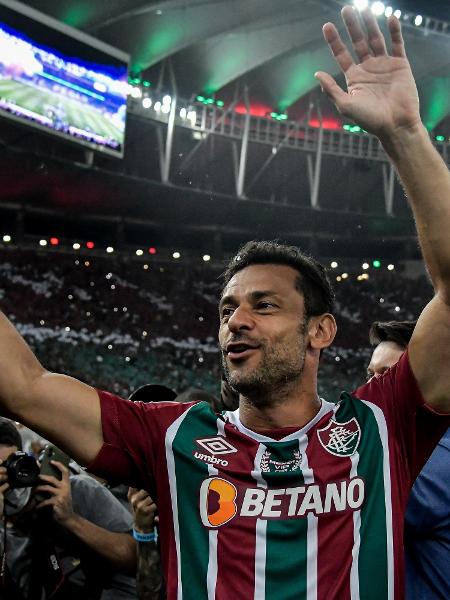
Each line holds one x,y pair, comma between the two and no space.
227,59
272,47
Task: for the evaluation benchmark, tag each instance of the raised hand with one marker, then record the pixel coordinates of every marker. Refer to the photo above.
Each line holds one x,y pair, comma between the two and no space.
60,494
381,93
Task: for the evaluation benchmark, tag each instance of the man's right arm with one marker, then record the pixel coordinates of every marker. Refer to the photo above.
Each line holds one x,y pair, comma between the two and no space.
60,408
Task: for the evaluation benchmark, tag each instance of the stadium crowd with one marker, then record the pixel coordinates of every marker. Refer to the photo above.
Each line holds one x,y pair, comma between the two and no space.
119,323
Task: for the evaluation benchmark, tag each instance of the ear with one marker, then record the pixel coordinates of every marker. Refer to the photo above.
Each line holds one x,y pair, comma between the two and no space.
322,331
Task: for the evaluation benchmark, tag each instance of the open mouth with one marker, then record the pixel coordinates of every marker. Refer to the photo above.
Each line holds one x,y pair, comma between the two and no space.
240,351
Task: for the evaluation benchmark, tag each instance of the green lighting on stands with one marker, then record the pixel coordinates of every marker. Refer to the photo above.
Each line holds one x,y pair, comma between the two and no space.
146,83
440,138
278,116
210,100
376,264
353,128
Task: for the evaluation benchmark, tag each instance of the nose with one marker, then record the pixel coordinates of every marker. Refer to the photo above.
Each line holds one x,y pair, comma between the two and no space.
240,319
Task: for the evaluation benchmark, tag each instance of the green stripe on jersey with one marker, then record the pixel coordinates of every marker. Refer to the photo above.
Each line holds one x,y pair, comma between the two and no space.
194,537
373,559
286,540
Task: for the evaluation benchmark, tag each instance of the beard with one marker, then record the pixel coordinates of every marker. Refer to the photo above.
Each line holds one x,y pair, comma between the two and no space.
279,366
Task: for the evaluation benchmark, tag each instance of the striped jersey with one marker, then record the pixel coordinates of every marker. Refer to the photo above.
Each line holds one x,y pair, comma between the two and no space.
298,514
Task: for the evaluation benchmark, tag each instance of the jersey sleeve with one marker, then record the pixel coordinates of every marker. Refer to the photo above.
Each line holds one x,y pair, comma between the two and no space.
416,428
133,438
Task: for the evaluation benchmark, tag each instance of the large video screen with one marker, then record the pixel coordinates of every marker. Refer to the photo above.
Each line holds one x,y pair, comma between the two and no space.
60,80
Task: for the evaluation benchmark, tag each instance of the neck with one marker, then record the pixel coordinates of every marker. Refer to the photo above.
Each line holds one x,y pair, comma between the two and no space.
284,408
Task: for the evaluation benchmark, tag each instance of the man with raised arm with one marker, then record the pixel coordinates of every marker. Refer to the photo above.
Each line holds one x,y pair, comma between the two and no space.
290,496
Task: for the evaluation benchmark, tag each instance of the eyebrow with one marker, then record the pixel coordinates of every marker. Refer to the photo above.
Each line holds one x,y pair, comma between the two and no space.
254,296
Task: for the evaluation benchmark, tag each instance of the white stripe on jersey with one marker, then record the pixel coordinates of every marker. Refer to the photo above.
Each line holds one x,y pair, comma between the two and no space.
261,533
170,436
354,571
383,431
213,534
312,541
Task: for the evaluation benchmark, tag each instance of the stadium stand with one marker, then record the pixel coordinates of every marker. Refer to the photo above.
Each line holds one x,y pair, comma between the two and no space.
118,323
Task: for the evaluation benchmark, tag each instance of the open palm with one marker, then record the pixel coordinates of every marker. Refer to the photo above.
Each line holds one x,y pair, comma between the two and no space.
381,93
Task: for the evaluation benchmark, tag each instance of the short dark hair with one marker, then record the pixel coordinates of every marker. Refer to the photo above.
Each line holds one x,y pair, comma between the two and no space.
9,434
312,281
399,332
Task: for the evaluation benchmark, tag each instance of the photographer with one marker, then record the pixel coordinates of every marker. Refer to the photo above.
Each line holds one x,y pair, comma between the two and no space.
74,544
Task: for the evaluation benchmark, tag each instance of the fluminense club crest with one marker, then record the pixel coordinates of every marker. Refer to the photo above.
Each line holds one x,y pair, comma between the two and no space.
340,439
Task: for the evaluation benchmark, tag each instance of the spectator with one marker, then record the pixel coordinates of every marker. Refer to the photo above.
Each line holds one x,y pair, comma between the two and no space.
149,579
77,547
427,522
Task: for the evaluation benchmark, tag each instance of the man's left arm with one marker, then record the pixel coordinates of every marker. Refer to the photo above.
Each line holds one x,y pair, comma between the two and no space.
116,547
382,98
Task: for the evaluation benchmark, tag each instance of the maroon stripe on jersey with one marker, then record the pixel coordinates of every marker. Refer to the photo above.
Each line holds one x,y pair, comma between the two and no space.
400,488
238,537
334,533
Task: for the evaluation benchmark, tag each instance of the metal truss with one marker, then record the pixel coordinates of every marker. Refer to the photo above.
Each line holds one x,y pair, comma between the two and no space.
206,120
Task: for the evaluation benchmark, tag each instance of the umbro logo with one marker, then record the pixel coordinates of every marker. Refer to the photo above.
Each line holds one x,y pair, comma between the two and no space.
216,445
216,448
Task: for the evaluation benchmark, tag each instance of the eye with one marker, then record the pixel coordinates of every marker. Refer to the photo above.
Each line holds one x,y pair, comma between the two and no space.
265,305
226,312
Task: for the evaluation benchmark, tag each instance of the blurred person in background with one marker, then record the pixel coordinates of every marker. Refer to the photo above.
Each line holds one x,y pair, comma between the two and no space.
76,544
427,521
149,579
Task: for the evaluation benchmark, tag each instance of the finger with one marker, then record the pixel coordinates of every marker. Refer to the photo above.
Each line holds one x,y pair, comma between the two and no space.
356,33
375,37
131,492
49,502
331,88
51,479
46,488
337,47
64,470
4,487
398,45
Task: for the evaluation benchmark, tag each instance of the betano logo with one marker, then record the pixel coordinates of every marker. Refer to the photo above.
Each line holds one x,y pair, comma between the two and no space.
217,502
220,500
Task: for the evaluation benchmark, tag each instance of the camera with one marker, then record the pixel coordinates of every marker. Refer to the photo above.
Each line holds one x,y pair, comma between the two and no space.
22,469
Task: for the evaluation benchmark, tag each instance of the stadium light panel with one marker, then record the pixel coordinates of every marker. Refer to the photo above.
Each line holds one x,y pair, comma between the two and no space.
397,309
146,102
42,242
54,241
157,106
220,103
391,267
139,252
183,113
136,92
344,275
152,250
378,8
176,255
6,238
109,249
389,11
376,264
361,4
90,245
334,265
397,13
440,138
418,20
167,99
76,246
165,109
206,257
